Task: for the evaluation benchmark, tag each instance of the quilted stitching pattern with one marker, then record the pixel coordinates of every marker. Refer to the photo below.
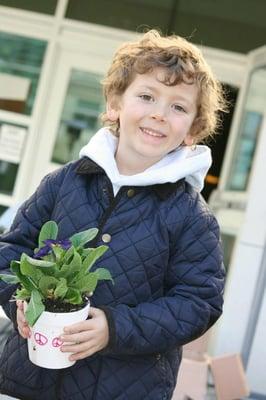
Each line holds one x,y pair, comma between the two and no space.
164,295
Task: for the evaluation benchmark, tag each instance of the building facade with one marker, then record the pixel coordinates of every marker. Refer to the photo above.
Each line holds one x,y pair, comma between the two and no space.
53,55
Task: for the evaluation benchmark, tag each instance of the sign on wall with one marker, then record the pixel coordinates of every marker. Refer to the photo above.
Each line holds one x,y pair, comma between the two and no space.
12,140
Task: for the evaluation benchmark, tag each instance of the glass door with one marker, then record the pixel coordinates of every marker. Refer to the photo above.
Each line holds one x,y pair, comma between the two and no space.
21,61
230,199
79,117
73,108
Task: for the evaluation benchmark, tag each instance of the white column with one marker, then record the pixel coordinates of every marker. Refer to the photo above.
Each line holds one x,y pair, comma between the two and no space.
246,278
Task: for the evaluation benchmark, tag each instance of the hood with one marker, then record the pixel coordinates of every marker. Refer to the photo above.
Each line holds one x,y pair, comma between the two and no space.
182,163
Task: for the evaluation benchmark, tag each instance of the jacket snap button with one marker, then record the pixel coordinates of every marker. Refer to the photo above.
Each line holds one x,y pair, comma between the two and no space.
158,356
130,192
106,238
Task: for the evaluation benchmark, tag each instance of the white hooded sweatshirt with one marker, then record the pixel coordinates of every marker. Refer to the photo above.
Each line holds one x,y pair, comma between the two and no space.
180,163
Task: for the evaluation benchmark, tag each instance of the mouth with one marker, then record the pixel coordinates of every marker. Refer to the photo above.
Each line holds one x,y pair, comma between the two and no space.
152,132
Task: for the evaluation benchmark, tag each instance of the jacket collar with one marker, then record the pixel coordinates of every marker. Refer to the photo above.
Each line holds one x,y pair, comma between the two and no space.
88,167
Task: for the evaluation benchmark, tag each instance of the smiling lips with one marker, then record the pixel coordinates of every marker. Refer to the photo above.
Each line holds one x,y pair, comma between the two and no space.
152,132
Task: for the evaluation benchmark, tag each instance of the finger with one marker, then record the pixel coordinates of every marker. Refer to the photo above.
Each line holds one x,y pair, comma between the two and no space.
20,305
75,348
24,332
79,356
21,318
78,327
78,337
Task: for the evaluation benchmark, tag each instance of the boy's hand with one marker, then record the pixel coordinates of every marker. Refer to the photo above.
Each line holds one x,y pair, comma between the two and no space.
23,326
87,337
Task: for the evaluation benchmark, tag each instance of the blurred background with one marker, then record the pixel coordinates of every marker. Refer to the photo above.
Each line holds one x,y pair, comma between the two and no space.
53,55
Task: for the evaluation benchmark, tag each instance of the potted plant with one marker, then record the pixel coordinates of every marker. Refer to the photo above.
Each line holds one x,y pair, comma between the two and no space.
56,284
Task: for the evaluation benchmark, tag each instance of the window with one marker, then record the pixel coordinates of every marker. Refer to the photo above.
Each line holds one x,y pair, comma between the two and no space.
79,120
21,59
249,131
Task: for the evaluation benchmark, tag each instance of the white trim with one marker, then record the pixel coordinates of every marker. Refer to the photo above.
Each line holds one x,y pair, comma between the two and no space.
26,23
6,200
228,66
25,15
14,118
38,115
60,10
86,28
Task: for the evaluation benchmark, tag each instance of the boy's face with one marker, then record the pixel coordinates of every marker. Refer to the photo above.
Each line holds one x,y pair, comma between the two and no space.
154,118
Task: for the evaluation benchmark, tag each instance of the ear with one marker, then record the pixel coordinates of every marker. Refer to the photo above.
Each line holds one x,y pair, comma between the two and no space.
112,111
189,140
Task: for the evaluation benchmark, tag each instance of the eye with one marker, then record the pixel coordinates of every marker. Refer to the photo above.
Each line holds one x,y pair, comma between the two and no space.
177,107
146,97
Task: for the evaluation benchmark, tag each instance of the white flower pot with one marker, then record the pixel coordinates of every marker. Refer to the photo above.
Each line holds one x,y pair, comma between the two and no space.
44,344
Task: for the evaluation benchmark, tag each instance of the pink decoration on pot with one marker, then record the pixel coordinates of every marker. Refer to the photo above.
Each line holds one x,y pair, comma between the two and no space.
57,342
40,339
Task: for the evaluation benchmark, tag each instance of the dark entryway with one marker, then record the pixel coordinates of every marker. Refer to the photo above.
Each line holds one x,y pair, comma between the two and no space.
218,144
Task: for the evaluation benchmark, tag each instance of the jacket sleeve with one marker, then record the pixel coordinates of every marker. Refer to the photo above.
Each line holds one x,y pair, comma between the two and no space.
23,236
193,294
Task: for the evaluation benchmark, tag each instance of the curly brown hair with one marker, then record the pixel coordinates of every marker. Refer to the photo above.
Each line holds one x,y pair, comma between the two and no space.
182,62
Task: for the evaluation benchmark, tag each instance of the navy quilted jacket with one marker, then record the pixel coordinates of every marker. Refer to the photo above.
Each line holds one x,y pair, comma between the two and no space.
166,261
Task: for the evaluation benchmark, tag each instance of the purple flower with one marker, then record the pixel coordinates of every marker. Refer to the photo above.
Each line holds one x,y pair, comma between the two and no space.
49,243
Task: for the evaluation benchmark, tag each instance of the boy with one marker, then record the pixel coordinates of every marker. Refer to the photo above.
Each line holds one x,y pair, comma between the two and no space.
138,181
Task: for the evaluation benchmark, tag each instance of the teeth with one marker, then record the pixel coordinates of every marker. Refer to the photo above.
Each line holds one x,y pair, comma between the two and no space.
152,133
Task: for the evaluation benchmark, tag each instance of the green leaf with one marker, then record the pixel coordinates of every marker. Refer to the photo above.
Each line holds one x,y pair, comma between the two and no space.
47,284
48,231
73,296
58,252
87,283
25,281
22,294
87,251
35,308
39,263
61,288
76,262
12,279
46,267
81,238
68,254
29,270
71,269
93,256
104,274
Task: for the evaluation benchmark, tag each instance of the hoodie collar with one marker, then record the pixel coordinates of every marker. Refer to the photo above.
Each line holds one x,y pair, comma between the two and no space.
176,165
88,167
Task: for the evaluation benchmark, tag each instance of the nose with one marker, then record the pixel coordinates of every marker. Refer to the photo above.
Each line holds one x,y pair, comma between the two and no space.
158,117
158,114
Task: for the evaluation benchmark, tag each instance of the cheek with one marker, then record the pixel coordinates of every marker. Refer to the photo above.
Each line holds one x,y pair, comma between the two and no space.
131,115
183,125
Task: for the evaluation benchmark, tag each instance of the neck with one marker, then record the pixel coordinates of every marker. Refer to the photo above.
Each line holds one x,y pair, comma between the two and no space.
132,166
